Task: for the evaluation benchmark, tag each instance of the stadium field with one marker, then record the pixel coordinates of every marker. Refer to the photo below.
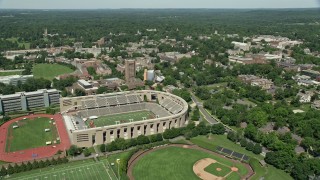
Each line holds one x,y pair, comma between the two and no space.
177,163
30,133
122,118
49,71
80,170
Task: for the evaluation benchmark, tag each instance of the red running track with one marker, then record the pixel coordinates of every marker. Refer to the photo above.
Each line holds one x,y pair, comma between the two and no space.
42,152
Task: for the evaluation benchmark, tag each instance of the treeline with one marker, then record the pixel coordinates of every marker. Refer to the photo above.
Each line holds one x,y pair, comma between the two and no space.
31,84
188,132
23,167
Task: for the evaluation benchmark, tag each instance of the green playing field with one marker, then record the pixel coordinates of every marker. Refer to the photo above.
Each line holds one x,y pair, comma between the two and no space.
79,170
31,129
122,118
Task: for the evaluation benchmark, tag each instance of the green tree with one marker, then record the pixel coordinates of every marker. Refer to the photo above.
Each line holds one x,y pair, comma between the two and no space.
142,140
243,142
218,129
257,149
79,92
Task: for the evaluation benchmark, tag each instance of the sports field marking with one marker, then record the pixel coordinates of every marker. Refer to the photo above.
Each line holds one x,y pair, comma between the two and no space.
79,172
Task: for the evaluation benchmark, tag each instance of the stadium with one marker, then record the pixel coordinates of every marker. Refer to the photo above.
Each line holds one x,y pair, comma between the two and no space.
98,119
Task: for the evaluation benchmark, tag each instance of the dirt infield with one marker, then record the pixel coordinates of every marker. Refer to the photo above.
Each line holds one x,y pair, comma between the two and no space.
199,166
136,157
41,152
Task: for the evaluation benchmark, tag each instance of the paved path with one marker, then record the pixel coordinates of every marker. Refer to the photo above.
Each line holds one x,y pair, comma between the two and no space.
42,152
206,115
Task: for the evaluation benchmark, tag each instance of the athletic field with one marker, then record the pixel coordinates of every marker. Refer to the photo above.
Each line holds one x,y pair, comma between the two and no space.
121,118
81,170
177,163
49,71
30,133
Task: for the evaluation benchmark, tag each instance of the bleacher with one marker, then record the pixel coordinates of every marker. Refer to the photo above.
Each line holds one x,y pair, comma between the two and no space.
122,99
171,106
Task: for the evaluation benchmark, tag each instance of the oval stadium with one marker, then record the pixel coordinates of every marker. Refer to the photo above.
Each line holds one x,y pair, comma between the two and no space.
98,119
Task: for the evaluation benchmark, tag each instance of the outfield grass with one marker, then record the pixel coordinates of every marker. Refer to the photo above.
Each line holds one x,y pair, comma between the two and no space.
49,71
10,73
175,163
212,169
30,129
79,170
123,118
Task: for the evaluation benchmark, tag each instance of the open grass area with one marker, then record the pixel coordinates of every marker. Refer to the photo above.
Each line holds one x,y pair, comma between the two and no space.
14,39
112,160
223,141
10,73
31,134
79,170
175,163
212,169
122,118
269,172
49,71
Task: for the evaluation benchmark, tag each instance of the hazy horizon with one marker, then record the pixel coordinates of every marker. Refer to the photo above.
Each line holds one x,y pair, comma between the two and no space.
164,4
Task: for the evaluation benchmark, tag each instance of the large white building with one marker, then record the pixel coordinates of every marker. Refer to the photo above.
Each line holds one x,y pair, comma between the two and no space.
22,101
14,79
166,111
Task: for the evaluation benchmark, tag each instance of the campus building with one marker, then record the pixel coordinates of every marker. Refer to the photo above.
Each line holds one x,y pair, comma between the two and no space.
14,79
168,111
23,101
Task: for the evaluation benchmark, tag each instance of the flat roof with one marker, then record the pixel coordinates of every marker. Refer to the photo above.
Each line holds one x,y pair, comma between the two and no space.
83,82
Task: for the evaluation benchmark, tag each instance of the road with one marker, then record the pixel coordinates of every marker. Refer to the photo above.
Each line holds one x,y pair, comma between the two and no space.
206,115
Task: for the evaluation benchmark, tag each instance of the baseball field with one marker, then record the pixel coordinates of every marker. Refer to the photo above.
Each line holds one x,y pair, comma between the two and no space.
177,163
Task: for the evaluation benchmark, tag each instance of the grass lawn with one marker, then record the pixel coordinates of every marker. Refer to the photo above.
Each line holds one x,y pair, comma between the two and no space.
49,71
223,141
123,118
175,163
269,172
79,170
31,129
10,73
112,160
212,169
14,39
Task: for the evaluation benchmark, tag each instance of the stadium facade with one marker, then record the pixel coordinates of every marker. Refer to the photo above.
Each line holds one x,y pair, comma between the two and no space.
169,111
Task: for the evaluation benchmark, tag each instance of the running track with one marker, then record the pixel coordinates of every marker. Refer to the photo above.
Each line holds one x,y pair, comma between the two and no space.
42,152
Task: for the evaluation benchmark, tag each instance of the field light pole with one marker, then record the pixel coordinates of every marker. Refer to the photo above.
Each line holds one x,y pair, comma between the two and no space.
118,162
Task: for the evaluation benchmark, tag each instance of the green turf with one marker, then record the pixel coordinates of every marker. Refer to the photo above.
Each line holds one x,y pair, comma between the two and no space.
123,118
212,169
112,160
268,172
14,39
10,73
233,176
49,71
174,163
30,129
79,170
223,141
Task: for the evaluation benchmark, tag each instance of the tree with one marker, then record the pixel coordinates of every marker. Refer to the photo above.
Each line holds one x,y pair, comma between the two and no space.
249,146
28,166
73,150
91,71
257,117
142,140
243,142
218,129
86,152
257,149
196,114
103,148
3,171
10,169
79,92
